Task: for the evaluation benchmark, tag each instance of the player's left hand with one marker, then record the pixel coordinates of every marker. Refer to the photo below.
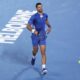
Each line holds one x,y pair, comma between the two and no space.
48,30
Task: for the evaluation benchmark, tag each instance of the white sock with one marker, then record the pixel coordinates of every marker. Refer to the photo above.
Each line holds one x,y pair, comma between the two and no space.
33,57
43,66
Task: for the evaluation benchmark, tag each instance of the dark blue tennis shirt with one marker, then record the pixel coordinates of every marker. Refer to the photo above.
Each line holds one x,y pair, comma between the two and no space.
38,21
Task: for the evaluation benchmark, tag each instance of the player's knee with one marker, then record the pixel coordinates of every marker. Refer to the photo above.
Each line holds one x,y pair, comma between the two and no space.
35,49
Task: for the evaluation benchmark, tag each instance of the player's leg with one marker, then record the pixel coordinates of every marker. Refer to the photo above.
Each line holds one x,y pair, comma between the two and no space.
35,49
43,54
34,52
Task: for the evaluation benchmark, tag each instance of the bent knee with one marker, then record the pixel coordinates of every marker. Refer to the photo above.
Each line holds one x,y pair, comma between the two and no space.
35,49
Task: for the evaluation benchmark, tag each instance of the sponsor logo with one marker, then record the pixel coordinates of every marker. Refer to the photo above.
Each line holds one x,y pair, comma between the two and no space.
14,28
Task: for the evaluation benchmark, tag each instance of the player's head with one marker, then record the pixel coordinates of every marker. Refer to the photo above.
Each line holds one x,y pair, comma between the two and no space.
39,7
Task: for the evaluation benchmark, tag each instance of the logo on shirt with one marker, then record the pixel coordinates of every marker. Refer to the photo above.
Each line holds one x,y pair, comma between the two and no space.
41,16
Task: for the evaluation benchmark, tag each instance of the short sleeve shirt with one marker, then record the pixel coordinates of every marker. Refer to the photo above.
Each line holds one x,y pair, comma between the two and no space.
38,21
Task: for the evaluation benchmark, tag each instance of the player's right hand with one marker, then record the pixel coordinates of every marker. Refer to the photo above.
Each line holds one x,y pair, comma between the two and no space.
36,32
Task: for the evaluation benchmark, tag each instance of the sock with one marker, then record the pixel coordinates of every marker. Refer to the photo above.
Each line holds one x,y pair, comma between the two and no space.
33,57
43,66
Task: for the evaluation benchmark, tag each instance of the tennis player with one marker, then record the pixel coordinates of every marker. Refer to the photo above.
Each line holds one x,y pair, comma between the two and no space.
36,25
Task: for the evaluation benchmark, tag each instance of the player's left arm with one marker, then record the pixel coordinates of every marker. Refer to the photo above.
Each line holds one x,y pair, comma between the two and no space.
49,26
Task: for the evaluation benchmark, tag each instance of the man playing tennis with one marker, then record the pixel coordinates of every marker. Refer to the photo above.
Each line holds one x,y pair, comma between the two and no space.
36,25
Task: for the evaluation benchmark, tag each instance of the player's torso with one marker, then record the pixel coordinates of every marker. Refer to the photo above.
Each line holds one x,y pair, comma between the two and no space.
39,24
39,21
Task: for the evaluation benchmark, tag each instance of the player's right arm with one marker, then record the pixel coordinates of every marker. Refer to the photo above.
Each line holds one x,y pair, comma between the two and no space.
29,26
31,29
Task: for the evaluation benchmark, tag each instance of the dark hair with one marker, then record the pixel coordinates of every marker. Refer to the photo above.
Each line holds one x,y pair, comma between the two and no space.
38,4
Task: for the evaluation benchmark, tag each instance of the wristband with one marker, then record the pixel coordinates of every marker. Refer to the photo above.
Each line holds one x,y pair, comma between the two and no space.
33,30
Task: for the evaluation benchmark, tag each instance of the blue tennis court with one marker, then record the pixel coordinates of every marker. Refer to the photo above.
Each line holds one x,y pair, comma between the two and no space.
63,43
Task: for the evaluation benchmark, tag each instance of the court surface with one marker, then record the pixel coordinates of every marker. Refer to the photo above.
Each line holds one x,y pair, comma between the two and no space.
63,43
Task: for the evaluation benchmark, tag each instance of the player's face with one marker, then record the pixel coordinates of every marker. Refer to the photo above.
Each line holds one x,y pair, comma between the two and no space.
39,8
